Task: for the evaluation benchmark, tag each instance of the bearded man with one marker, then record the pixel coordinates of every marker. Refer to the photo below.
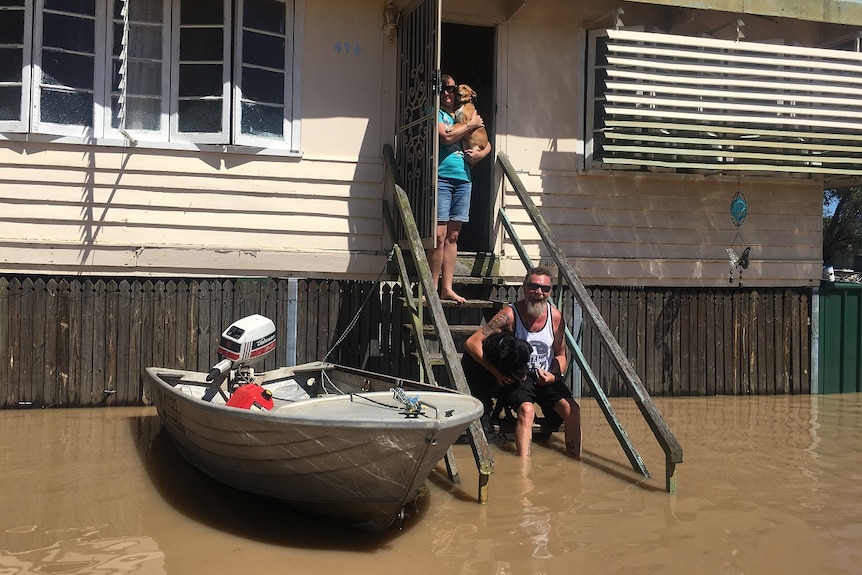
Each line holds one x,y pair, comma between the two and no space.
534,319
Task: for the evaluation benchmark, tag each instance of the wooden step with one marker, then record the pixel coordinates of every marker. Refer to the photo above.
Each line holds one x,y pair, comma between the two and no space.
428,330
478,280
469,304
467,264
437,358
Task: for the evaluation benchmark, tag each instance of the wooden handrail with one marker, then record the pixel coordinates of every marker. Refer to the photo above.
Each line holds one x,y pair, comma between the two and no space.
397,203
666,439
632,454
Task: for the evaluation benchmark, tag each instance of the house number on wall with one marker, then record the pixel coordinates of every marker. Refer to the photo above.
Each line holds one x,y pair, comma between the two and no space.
347,48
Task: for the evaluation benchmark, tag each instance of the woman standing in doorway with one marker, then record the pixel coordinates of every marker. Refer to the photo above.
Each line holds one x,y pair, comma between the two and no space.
454,186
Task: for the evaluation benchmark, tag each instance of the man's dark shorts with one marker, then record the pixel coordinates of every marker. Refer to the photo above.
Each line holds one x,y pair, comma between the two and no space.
547,396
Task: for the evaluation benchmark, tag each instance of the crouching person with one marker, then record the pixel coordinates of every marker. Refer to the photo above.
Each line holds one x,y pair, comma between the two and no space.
535,320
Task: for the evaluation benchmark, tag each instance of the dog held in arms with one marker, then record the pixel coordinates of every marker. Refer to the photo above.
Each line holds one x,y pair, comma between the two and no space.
478,139
511,356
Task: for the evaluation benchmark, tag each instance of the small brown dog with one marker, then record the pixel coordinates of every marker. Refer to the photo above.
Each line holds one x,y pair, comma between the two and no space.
477,139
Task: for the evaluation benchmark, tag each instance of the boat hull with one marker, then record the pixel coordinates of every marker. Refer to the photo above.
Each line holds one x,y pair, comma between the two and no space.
357,456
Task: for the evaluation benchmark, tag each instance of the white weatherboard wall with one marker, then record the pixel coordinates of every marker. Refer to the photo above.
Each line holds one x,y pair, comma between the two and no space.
70,207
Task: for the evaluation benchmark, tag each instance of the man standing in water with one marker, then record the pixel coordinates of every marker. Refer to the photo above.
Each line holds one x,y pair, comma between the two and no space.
534,319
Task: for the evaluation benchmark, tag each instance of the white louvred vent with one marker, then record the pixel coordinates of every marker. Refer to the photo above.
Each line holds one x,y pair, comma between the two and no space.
666,102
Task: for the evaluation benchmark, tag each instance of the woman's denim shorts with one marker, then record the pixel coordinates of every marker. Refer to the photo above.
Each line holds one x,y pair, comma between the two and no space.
453,200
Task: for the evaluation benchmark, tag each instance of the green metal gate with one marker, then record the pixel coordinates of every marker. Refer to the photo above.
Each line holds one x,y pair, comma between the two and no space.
840,338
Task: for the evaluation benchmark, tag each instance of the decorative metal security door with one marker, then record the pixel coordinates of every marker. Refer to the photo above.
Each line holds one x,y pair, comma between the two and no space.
418,105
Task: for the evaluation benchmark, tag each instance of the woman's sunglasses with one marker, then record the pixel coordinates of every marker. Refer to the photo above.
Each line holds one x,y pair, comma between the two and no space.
450,89
534,286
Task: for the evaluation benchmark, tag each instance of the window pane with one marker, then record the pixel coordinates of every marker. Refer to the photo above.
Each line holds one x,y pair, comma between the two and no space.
72,108
142,78
200,80
141,113
145,41
70,70
197,12
76,6
262,85
265,15
200,116
260,120
11,62
201,44
263,50
12,27
147,11
10,103
68,32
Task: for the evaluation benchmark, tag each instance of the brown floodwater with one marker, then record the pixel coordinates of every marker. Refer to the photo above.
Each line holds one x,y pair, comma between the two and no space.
769,485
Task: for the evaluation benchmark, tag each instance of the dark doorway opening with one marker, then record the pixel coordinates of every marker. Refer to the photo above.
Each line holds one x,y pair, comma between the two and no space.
467,54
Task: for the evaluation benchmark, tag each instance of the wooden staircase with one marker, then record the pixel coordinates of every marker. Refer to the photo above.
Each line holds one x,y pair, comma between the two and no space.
447,322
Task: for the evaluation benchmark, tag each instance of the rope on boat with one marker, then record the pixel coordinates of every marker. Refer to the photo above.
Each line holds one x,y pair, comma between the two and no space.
359,311
411,408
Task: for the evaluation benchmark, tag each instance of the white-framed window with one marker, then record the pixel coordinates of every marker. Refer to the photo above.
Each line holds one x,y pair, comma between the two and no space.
199,71
16,38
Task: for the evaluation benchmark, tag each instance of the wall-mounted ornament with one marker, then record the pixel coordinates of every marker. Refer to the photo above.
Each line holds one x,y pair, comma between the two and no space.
738,213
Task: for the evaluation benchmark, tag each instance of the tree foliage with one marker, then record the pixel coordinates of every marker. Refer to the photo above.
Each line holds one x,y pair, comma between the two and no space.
842,230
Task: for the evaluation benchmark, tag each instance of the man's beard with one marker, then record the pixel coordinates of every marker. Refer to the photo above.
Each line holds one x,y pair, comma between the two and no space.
535,308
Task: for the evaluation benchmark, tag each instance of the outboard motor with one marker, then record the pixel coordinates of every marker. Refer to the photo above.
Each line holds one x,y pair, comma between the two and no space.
243,344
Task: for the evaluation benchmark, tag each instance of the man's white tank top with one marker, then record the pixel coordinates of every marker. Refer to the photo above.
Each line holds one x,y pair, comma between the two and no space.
542,340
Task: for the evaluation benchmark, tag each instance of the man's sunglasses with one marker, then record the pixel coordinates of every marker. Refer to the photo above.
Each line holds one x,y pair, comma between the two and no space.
534,286
450,89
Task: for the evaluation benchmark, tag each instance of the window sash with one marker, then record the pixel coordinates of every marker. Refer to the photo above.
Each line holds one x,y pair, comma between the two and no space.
256,113
147,110
23,49
68,93
193,62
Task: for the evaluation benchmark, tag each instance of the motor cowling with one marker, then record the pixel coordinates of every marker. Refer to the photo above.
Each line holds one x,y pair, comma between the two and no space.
247,341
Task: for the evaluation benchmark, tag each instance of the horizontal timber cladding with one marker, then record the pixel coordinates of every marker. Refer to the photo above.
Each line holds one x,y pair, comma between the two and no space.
73,342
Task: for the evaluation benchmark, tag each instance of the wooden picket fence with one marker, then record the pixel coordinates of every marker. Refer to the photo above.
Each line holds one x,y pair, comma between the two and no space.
75,342
84,342
703,342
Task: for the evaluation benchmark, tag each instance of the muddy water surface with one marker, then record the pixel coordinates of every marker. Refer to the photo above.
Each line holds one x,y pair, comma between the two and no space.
769,485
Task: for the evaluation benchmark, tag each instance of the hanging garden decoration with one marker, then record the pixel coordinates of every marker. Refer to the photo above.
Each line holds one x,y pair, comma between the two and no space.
738,212
738,209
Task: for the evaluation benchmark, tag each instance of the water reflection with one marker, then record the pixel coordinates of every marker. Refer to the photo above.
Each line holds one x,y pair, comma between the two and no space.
203,499
768,485
86,553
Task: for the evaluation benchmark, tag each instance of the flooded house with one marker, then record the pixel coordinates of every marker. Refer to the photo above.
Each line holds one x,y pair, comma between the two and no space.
168,165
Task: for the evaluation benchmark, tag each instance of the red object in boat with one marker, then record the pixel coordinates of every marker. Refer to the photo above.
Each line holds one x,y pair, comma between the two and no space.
251,396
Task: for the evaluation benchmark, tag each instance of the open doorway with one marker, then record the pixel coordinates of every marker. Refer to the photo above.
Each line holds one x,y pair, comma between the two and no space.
467,54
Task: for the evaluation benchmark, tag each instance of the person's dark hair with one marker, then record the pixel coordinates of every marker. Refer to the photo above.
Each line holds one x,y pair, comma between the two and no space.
539,271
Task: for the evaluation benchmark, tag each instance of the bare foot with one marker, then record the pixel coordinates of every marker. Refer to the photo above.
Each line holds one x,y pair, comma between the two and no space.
452,296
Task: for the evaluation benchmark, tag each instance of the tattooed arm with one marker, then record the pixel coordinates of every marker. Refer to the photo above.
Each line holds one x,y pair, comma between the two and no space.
504,320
